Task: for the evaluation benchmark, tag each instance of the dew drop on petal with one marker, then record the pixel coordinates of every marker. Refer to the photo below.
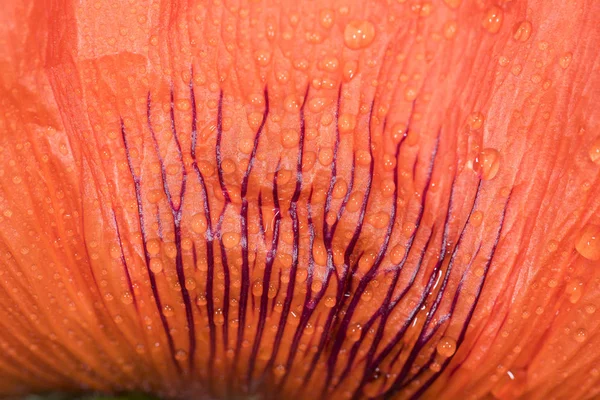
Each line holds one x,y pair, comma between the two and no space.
588,244
487,163
492,19
522,31
359,34
594,151
446,347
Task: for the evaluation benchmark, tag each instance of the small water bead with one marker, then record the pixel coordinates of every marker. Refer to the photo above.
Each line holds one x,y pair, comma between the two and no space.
190,284
565,60
446,347
257,288
126,298
397,254
450,29
363,158
590,308
487,163
492,19
153,247
580,335
330,301
354,202
594,151
349,70
319,252
522,31
170,249
389,161
262,57
387,187
230,239
181,355
325,156
290,138
156,265
477,218
339,189
115,251
326,18
329,64
574,289
503,61
317,104
475,120
279,371
219,318
201,300
355,332
183,105
168,311
346,123
228,166
359,34
588,244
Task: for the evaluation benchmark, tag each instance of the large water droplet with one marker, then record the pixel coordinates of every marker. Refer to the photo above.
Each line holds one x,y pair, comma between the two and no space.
588,244
446,347
359,34
492,19
487,163
594,151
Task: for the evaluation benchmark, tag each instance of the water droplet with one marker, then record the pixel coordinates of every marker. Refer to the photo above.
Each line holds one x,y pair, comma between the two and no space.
257,288
590,309
349,70
487,163
319,252
153,247
477,218
522,31
346,123
325,156
183,105
156,265
363,158
290,138
574,290
475,120
168,311
181,355
279,371
492,19
201,300
359,34
326,18
354,202
446,347
580,335
594,151
588,244
126,298
262,57
339,189
450,29
355,332
330,301
565,60
115,251
230,239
